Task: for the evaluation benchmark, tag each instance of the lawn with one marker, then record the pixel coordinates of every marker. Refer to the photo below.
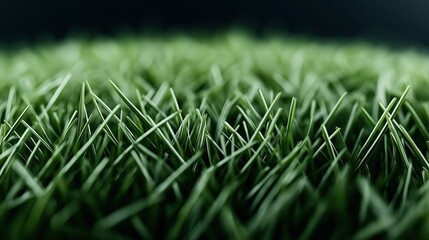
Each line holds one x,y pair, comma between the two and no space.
228,136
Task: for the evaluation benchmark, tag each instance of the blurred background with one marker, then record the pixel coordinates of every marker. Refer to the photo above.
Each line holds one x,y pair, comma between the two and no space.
394,20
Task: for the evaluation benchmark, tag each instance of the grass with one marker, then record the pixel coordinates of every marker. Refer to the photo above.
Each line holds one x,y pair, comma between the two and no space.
221,137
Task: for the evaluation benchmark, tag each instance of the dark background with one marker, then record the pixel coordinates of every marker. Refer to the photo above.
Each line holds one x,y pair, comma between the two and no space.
398,20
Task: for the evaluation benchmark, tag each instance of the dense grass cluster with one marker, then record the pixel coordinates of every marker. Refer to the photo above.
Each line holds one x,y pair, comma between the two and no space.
213,137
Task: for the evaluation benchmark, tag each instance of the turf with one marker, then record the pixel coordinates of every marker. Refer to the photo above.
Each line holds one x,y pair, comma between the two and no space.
213,137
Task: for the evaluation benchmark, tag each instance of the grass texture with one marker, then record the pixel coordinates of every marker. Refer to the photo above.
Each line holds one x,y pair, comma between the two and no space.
222,137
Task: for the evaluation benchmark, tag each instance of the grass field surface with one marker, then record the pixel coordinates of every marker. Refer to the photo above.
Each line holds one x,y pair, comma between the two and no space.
213,137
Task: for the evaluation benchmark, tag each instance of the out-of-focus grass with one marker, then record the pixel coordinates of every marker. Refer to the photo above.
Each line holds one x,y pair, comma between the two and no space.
213,137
